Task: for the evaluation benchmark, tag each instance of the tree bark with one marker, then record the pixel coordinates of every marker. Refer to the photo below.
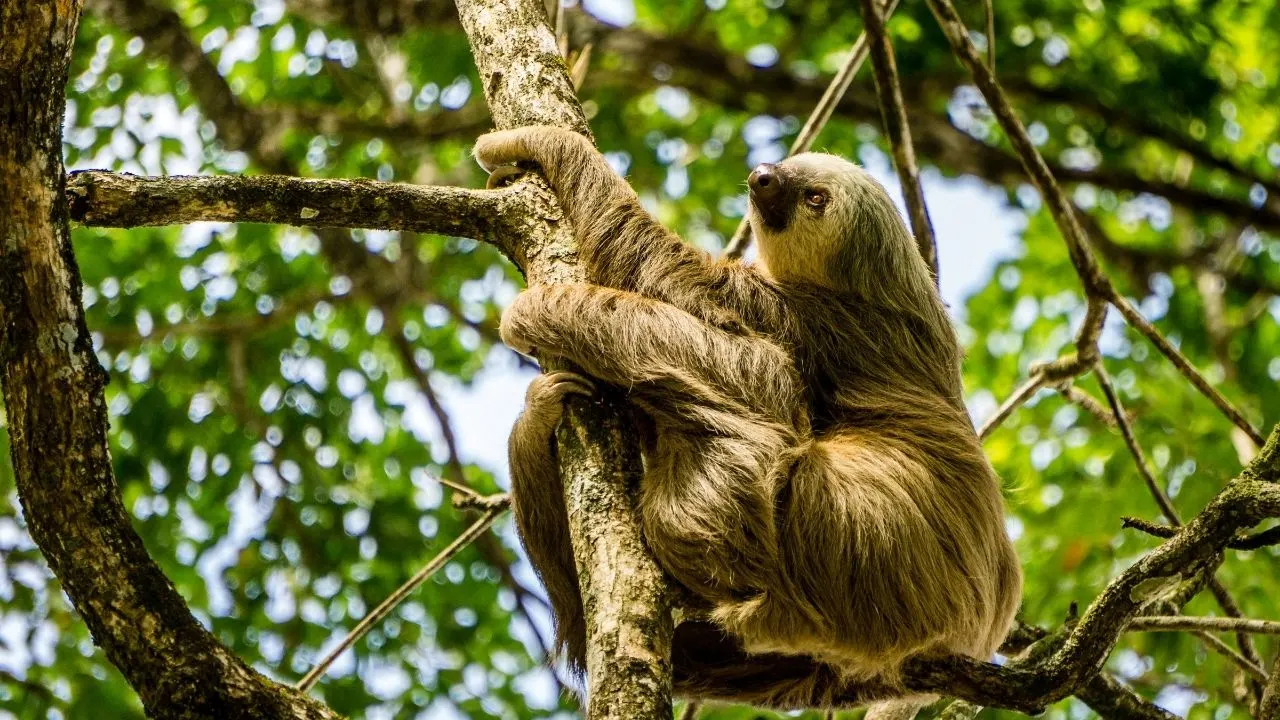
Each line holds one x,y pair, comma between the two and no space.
625,594
53,392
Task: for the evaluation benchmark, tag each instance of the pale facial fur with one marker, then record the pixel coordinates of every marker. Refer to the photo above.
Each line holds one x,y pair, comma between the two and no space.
857,228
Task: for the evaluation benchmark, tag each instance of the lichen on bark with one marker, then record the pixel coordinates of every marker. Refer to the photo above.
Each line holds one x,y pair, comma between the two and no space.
626,596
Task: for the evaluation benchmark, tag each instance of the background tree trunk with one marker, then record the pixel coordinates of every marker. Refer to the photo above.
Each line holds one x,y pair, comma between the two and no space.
57,419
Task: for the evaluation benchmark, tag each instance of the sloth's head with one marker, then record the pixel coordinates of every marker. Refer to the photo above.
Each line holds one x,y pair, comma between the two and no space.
822,220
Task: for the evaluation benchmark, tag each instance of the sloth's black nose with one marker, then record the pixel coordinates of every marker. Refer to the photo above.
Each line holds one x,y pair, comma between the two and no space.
765,183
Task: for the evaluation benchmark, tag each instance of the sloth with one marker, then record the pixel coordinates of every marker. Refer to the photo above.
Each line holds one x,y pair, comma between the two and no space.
811,475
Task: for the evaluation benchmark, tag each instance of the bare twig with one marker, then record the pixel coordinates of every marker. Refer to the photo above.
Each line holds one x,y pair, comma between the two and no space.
1059,371
1183,365
990,11
1060,207
1265,538
395,598
1187,623
1126,430
836,89
465,501
1220,593
893,111
1229,606
1112,700
1019,397
1250,667
1088,403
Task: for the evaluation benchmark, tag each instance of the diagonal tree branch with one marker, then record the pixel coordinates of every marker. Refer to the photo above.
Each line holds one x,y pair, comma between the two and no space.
728,80
1177,623
1265,538
384,608
1245,501
894,113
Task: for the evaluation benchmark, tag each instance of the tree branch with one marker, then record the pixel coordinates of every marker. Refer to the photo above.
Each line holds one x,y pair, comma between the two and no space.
385,607
1096,285
626,596
1265,538
1179,623
106,199
1029,687
57,418
893,110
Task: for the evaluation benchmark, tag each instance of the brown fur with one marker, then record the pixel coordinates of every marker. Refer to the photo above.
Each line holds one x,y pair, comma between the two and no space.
815,479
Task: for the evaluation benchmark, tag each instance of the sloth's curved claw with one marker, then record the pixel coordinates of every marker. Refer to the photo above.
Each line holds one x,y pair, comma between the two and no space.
503,175
564,383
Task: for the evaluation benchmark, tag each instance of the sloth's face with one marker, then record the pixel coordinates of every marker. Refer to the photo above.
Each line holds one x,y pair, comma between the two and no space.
808,211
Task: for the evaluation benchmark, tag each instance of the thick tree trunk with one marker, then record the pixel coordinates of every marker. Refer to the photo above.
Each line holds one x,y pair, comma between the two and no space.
625,594
53,387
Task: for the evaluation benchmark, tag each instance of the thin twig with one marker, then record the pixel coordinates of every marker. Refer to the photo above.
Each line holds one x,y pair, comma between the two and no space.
1014,401
1265,538
1186,623
1060,371
395,598
1184,366
817,120
1139,458
1250,667
1087,402
1220,593
1060,207
1232,609
893,111
988,7
690,710
1037,170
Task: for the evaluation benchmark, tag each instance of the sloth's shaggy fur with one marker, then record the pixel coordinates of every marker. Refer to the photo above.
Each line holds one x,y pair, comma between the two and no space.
812,475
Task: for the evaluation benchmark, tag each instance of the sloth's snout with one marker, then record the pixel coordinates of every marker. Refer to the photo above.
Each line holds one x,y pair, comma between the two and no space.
768,195
765,183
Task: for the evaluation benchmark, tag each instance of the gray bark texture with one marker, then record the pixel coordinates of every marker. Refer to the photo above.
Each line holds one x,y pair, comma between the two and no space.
625,594
53,385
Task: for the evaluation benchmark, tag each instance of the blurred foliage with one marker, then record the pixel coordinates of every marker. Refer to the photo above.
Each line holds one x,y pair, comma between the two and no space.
281,463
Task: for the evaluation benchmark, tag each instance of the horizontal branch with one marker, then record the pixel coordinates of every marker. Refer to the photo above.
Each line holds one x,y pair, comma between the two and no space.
1191,623
1264,538
106,199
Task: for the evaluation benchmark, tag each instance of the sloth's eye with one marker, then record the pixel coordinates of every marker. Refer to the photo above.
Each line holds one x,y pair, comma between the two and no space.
815,198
